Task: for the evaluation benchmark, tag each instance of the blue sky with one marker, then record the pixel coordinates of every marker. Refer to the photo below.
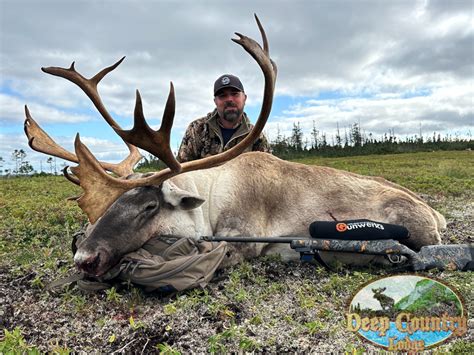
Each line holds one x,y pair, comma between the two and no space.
391,65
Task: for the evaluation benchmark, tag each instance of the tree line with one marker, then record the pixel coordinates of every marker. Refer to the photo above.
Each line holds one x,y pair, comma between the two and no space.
24,167
356,142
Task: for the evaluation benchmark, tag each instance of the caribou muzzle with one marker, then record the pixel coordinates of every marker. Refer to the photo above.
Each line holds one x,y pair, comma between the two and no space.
93,263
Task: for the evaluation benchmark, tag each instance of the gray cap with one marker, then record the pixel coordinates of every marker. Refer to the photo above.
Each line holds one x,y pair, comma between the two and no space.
227,81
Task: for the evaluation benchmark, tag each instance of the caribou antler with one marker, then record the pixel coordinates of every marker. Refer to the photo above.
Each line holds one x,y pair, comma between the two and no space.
40,141
102,189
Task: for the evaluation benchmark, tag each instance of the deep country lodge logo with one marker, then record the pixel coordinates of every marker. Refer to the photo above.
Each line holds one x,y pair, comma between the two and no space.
406,313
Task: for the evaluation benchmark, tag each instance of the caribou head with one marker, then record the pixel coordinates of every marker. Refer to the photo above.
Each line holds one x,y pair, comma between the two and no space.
102,189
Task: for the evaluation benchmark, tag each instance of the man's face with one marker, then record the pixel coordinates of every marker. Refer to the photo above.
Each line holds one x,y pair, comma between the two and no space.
230,104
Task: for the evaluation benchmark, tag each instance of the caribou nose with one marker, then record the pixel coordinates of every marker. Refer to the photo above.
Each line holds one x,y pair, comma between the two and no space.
87,262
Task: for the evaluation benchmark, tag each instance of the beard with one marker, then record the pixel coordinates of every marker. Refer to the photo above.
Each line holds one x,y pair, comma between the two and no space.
232,116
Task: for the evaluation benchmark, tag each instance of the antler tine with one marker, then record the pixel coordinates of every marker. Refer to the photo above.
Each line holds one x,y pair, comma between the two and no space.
89,86
70,177
98,77
155,142
264,36
40,141
265,43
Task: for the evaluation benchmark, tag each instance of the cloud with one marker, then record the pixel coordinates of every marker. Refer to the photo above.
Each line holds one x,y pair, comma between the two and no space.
445,48
391,65
12,111
439,109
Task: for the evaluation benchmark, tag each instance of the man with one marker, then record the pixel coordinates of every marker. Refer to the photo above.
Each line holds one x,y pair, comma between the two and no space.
223,128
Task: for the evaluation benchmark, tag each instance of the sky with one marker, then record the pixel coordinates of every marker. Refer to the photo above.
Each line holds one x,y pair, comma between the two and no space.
403,66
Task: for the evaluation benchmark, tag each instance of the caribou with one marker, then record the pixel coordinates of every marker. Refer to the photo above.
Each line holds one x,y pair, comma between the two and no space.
229,194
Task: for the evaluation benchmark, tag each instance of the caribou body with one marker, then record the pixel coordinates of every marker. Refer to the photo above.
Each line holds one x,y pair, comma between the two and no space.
253,194
256,194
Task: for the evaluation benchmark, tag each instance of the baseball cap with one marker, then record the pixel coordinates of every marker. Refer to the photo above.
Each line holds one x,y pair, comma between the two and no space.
227,81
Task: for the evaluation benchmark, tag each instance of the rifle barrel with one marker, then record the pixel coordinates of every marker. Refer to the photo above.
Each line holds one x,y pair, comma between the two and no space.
252,239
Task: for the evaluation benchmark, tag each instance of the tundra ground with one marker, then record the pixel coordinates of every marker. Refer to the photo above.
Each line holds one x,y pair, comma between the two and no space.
259,305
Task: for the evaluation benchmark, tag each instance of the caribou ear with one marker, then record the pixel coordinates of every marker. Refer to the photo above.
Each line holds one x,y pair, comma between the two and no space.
179,198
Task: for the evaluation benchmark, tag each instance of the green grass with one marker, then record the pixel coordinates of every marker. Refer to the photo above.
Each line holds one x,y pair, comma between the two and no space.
14,343
35,220
440,173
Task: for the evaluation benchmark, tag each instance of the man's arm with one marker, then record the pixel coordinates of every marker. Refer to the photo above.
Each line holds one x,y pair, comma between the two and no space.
188,149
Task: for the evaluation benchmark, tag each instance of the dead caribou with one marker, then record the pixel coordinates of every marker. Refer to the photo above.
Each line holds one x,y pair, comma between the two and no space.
252,194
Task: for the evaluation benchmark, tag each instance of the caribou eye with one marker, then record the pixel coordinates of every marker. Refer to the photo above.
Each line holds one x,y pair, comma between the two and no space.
143,213
150,207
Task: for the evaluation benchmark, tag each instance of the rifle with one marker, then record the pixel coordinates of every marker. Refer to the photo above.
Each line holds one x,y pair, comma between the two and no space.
443,257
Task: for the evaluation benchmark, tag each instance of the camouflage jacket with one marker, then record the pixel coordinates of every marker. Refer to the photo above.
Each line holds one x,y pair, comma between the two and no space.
203,138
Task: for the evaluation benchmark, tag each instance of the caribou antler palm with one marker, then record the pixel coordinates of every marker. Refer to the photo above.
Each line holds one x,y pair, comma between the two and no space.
100,188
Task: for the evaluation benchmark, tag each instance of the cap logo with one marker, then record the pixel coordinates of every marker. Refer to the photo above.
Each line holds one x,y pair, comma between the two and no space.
225,80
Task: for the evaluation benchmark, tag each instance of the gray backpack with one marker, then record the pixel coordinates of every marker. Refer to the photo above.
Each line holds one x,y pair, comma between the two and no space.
164,264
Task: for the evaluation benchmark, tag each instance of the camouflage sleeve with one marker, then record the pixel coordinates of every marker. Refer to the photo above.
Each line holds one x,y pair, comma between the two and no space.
262,145
188,149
